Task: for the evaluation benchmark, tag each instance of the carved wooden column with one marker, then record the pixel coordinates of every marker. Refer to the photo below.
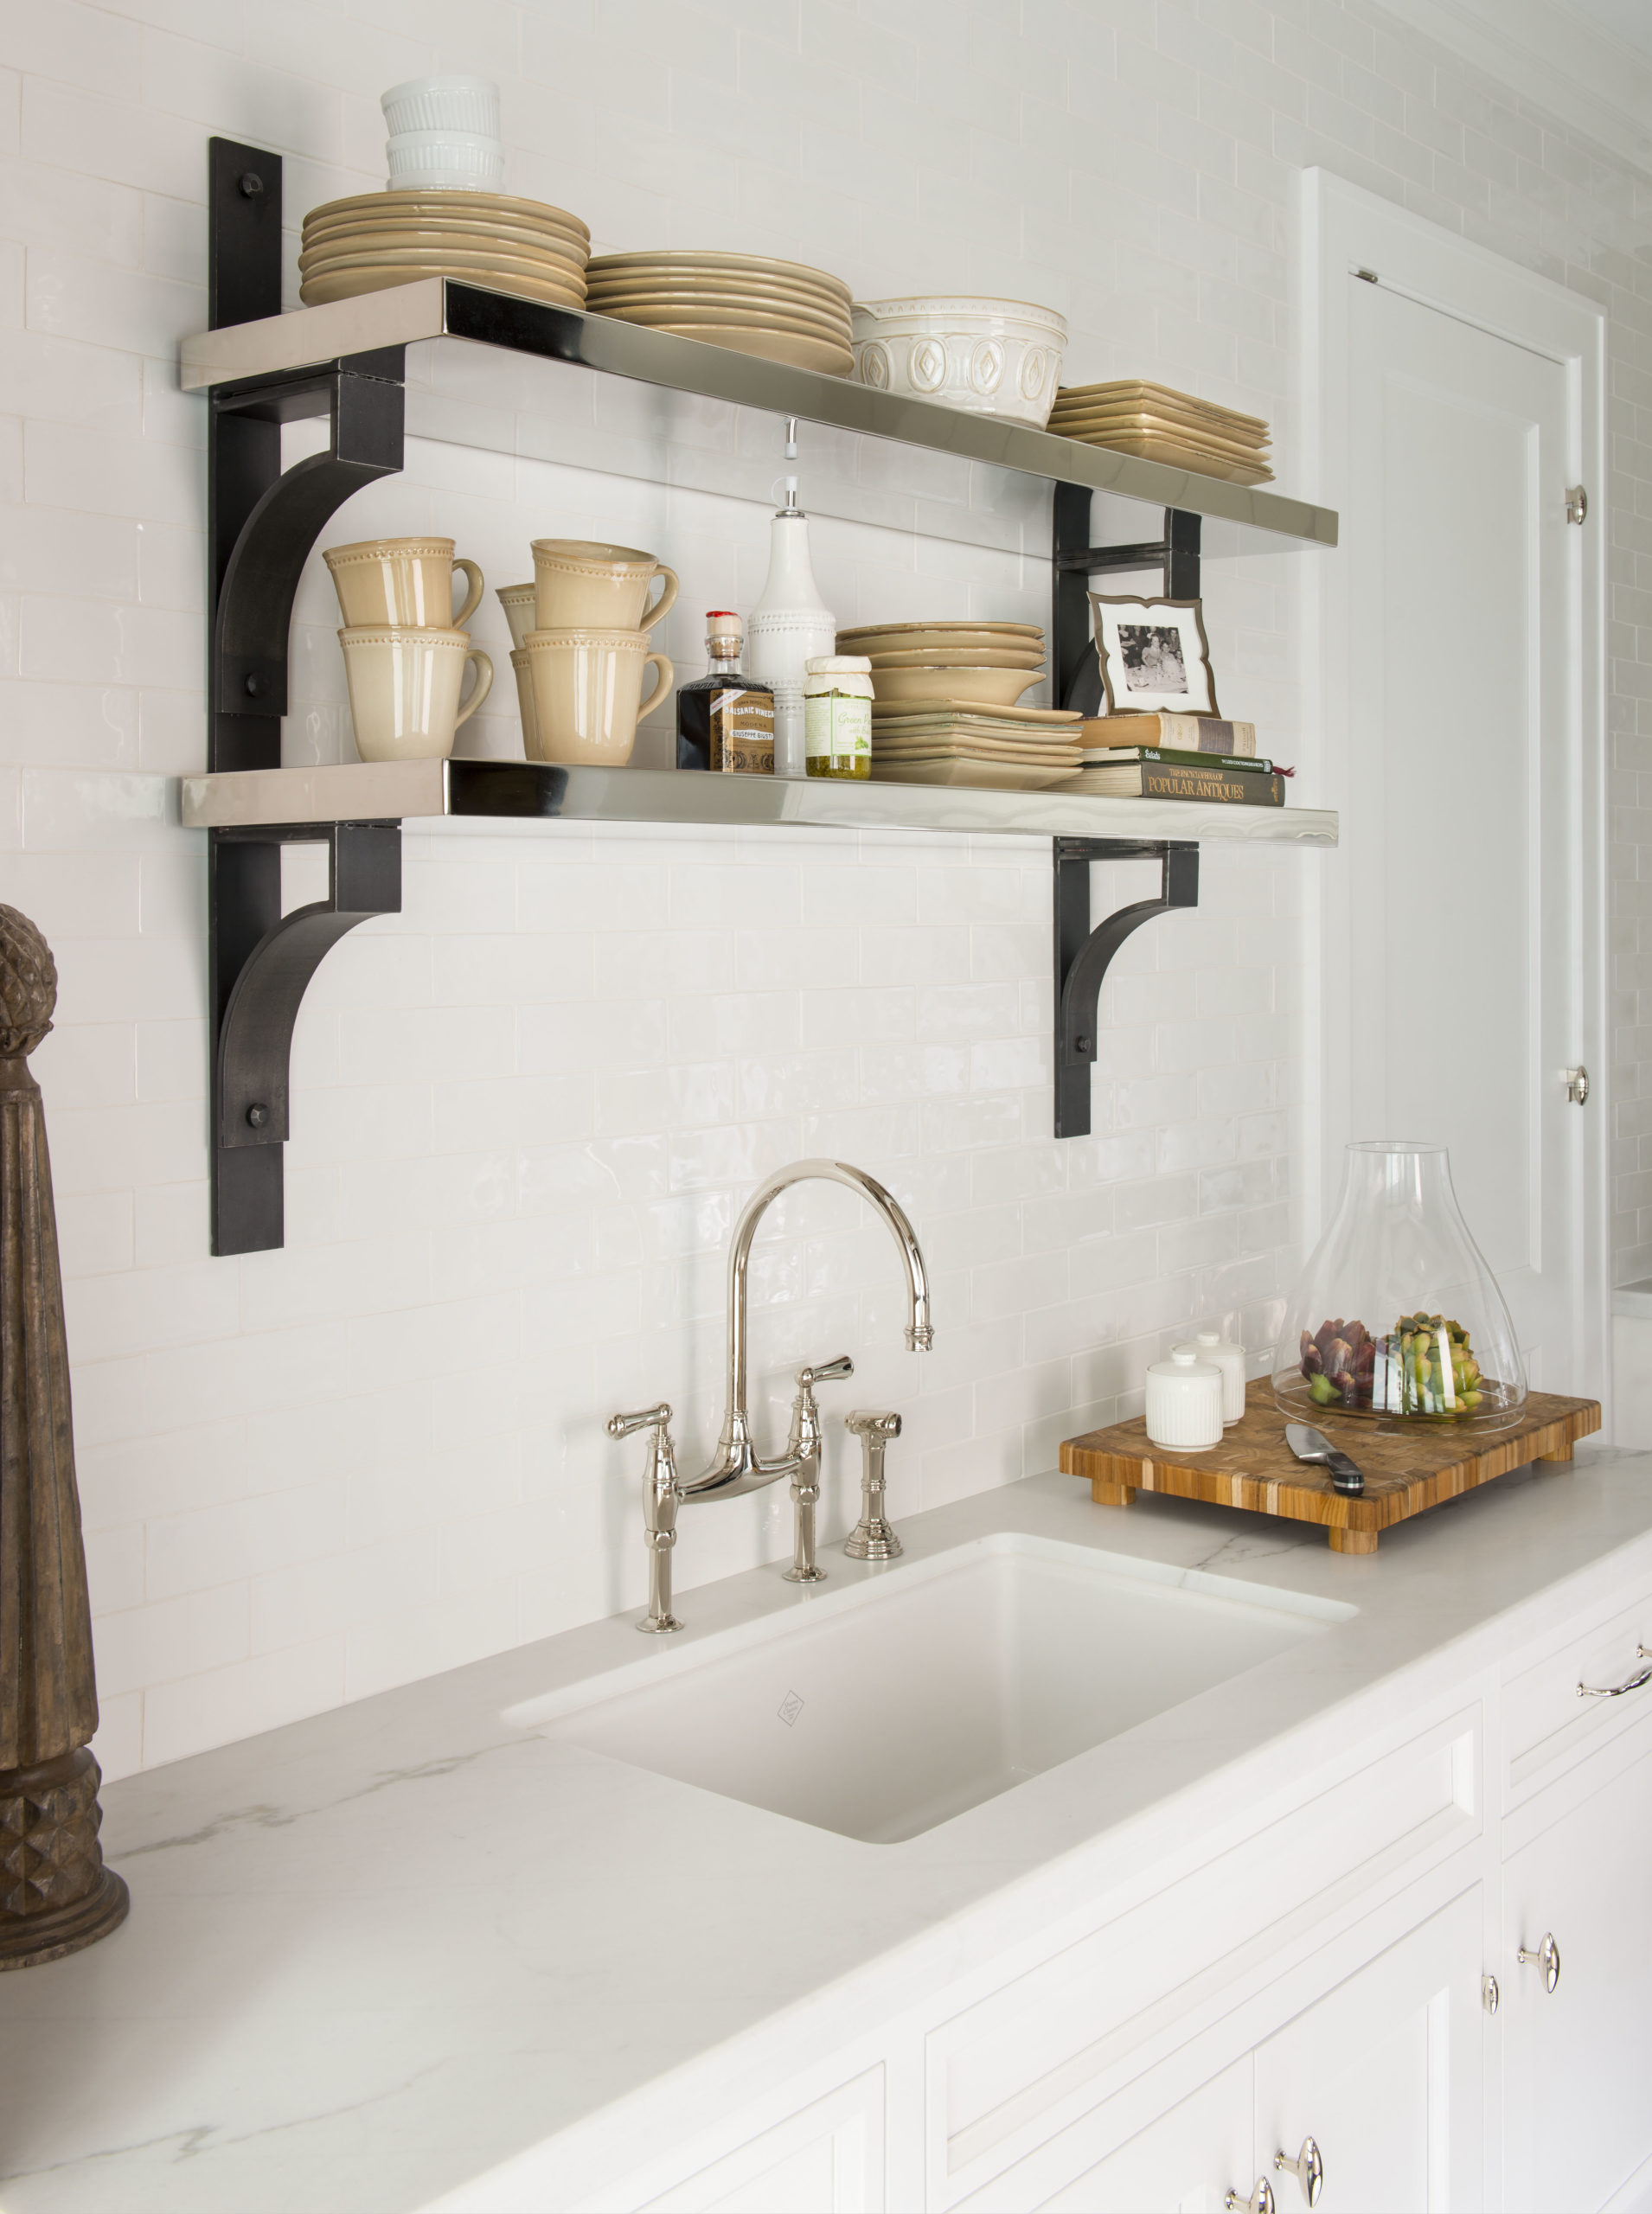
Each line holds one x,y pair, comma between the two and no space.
55,1894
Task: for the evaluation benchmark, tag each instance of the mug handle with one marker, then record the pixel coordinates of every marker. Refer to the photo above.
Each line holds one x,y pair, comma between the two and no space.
664,604
667,678
483,684
474,577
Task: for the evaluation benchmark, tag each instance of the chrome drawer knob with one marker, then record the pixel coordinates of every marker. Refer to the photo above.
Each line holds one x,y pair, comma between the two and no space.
1546,1957
1259,2202
1308,2168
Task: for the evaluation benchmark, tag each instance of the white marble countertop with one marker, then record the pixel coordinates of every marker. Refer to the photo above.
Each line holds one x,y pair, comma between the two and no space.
375,1955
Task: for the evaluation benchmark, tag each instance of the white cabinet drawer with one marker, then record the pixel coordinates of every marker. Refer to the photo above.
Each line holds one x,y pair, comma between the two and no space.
1548,1723
1009,2071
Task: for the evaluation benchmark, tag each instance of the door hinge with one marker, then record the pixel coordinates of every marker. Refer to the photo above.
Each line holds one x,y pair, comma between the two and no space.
1577,1084
1577,503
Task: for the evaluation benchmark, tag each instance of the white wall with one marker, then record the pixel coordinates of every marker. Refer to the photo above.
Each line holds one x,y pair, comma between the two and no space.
527,1110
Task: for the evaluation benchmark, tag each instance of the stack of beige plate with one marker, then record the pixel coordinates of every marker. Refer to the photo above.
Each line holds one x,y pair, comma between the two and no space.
970,665
381,239
1002,749
1163,425
780,310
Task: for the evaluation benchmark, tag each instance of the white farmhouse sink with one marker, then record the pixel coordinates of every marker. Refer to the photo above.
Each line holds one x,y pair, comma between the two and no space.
880,1708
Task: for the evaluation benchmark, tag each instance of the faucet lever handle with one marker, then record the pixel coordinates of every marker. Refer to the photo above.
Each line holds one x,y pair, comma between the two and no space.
827,1372
644,1418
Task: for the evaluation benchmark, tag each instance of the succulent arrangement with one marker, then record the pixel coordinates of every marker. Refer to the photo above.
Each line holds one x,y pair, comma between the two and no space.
1424,1366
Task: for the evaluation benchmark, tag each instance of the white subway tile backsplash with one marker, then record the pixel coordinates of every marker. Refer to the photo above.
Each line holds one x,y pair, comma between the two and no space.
527,1108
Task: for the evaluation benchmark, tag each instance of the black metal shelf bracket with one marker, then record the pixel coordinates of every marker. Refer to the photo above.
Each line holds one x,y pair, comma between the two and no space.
1075,674
1083,955
263,524
261,973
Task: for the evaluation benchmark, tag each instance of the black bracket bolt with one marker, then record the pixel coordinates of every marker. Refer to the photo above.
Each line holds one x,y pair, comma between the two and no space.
251,686
252,183
257,1114
1083,1045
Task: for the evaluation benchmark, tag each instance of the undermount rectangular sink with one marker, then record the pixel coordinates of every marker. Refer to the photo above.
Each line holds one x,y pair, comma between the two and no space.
885,1706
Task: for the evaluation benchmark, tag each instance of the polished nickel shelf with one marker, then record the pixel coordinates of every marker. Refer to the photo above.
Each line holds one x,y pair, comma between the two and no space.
407,791
311,340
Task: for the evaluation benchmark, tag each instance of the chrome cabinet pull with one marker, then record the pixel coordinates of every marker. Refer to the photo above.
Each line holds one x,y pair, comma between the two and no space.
1546,1957
1308,2168
1259,2202
1491,1997
1638,1681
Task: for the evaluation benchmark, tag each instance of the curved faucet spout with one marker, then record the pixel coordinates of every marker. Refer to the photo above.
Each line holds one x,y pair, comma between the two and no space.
737,1467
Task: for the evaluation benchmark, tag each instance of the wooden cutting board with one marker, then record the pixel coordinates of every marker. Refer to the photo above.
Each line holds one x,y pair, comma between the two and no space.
1406,1472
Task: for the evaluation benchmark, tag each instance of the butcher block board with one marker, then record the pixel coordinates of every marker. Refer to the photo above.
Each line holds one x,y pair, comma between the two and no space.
1406,1472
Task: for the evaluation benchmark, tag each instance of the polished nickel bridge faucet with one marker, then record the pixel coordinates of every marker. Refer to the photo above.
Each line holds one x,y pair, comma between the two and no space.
737,1467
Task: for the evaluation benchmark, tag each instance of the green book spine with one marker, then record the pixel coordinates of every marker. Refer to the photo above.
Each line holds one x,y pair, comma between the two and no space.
1170,780
1250,763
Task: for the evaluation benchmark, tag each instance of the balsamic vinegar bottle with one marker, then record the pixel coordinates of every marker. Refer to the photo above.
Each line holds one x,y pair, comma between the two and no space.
725,719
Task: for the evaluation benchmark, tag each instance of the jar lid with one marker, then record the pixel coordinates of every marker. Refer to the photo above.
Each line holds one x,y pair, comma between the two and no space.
838,665
1184,1362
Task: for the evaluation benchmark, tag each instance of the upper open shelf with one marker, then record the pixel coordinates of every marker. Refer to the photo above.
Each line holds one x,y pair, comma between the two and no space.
439,307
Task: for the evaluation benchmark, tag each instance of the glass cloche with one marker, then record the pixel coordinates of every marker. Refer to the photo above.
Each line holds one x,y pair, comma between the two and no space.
1397,1314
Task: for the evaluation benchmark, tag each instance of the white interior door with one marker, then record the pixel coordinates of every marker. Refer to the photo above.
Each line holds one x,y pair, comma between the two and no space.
1458,955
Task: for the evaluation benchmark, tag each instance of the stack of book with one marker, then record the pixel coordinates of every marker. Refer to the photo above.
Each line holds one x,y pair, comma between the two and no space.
1175,757
1161,424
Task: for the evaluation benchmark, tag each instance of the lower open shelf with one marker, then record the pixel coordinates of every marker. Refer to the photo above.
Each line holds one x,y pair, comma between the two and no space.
524,791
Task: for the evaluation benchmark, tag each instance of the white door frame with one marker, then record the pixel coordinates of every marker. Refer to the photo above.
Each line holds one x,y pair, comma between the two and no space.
1342,230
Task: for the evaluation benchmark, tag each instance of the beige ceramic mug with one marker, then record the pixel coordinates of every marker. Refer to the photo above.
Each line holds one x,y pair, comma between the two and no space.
518,602
405,690
583,586
407,581
522,664
587,687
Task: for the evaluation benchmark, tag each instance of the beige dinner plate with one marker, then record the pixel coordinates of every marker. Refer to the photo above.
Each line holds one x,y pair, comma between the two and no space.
921,633
749,315
984,776
1195,460
793,348
970,711
486,237
1142,393
323,286
964,657
1146,426
947,645
538,214
979,749
423,257
674,278
993,688
727,291
667,257
944,728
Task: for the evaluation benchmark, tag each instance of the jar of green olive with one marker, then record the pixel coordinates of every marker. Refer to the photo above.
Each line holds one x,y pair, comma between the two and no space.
837,716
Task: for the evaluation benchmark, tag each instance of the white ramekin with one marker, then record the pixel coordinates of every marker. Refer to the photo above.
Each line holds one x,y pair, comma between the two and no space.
444,161
469,104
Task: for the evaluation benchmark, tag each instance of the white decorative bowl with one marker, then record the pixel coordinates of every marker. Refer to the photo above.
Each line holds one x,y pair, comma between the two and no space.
467,104
444,161
989,357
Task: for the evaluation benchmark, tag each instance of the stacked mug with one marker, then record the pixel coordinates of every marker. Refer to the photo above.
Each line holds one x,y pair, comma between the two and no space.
580,635
405,648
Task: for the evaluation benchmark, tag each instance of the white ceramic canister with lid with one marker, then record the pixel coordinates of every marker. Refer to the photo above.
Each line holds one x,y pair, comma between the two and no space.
837,716
1184,1402
1221,1354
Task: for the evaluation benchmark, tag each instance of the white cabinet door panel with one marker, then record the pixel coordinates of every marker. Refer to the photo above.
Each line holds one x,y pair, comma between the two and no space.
1384,2073
1578,2060
826,2158
1184,2163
